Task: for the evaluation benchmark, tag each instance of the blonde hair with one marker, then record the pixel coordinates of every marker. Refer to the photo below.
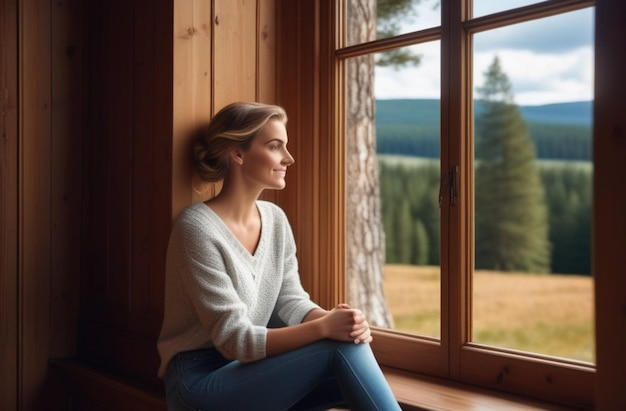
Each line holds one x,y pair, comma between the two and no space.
234,126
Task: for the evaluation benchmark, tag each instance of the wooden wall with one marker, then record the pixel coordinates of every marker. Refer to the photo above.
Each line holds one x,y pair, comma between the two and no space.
223,51
99,101
36,195
40,85
126,175
154,73
8,205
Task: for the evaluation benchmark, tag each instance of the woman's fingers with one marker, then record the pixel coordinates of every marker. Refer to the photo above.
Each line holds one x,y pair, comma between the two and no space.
347,324
361,334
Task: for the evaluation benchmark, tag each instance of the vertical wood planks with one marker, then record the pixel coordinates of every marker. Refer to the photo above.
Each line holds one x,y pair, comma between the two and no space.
235,51
34,202
121,93
267,33
137,163
8,205
127,183
193,89
67,135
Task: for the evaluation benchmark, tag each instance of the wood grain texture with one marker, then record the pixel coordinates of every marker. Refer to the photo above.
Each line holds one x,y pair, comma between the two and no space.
609,235
193,88
9,164
136,168
127,182
67,135
234,51
35,199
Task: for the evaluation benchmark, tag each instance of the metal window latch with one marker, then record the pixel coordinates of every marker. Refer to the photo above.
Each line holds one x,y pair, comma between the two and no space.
449,182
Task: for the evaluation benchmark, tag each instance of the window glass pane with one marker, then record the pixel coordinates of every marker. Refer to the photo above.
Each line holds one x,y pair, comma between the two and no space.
392,149
369,20
484,7
532,285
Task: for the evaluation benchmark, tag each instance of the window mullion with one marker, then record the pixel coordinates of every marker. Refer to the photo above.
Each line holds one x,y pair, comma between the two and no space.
456,153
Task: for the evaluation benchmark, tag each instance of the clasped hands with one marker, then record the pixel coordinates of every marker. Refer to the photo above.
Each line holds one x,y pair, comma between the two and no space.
344,323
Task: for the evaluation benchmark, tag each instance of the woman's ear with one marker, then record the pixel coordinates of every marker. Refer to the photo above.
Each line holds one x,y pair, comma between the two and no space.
237,156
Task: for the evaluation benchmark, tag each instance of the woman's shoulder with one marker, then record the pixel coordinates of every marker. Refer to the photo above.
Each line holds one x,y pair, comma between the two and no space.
195,215
193,210
198,221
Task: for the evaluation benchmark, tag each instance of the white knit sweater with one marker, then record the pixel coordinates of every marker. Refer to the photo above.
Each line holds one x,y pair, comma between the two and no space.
219,295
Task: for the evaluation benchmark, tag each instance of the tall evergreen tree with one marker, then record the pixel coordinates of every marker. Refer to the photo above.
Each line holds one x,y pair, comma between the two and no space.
510,214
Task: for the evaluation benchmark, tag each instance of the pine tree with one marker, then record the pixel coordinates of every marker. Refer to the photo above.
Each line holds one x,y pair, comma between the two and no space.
510,214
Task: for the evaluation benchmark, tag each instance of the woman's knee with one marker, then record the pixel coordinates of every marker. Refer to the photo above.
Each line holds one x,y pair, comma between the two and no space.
356,349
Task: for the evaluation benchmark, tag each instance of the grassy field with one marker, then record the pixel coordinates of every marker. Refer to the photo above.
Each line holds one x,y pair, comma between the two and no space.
547,314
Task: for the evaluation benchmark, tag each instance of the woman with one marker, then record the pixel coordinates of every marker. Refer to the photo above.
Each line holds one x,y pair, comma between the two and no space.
232,274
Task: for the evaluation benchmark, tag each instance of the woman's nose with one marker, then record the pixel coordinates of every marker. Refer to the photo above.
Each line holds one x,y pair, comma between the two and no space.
288,160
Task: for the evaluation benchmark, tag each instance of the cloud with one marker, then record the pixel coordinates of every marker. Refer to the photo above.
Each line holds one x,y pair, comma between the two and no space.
548,60
422,81
551,35
542,78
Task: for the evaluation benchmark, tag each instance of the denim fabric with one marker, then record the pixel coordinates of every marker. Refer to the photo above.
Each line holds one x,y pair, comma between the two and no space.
318,376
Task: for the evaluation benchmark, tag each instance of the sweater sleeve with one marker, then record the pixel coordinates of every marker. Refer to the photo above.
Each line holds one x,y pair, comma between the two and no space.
293,302
203,267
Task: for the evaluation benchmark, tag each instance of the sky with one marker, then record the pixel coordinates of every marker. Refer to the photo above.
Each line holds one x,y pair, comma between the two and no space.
547,61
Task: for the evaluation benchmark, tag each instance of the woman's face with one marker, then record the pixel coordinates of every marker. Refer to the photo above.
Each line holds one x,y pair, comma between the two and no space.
267,159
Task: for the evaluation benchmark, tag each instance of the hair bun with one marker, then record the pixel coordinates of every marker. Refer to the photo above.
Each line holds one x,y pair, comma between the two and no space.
209,168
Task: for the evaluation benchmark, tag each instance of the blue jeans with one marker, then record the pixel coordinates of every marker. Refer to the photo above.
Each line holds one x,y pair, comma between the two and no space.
318,376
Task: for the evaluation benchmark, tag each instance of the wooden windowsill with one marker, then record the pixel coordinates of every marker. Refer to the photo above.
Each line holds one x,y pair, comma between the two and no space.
419,392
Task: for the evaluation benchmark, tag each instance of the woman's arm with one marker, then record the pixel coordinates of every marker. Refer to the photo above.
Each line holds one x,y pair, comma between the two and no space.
341,323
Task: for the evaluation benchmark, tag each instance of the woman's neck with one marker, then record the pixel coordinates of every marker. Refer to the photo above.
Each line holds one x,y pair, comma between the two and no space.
234,206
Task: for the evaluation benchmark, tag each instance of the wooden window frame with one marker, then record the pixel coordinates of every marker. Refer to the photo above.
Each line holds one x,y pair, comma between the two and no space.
453,356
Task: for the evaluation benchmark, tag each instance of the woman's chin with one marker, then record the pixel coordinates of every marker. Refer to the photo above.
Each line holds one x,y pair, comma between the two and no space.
277,186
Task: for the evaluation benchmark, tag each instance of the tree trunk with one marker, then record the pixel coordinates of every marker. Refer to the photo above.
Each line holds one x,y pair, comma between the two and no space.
364,233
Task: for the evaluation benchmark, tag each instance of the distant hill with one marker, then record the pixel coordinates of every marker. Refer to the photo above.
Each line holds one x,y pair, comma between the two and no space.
413,112
580,112
425,112
411,127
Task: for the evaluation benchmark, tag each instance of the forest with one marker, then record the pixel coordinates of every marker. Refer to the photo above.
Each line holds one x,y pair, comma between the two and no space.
559,153
411,127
